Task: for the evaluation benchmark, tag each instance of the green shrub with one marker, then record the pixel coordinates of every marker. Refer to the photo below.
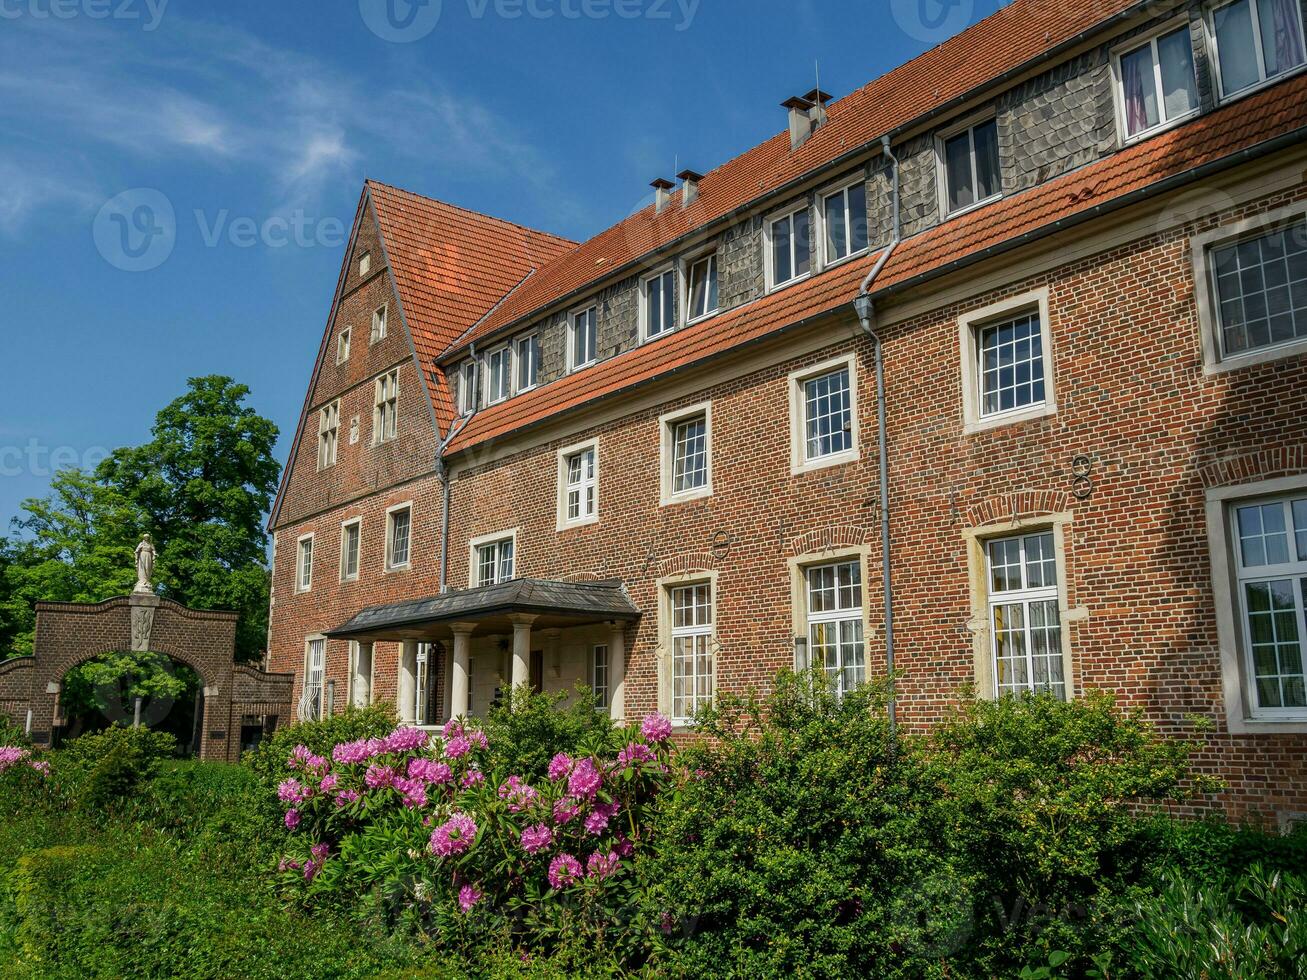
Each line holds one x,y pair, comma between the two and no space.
100,772
529,729
13,734
205,799
1213,848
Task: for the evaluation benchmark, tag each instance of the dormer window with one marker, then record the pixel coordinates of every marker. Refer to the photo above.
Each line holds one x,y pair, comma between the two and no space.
789,252
528,362
499,375
844,214
702,288
658,304
1156,82
1255,41
583,339
969,167
467,387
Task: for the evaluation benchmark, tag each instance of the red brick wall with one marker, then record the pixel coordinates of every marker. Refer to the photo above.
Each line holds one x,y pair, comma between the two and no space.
1132,397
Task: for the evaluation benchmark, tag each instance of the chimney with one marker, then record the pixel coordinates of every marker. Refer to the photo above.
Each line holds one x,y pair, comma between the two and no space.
800,120
818,98
662,193
689,186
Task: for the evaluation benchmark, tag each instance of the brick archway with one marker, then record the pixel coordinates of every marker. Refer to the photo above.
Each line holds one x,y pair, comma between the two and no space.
68,634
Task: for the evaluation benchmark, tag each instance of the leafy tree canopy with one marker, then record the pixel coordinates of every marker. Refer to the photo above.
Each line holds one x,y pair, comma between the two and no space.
201,486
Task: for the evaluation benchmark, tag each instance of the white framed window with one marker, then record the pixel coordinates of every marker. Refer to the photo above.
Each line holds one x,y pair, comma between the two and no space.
701,288
426,707
399,534
1007,362
493,559
835,613
1251,287
378,324
1155,81
844,222
693,668
528,362
365,264
304,564
578,485
1254,42
969,173
385,410
1025,625
583,338
313,698
599,674
499,375
342,345
468,376
328,435
658,304
351,539
686,437
824,415
788,246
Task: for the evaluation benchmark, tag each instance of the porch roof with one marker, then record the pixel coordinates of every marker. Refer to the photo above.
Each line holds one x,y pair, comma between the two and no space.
556,603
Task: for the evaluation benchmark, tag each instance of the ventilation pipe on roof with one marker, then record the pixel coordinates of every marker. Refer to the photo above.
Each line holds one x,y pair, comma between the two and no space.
662,193
866,309
689,186
800,120
443,475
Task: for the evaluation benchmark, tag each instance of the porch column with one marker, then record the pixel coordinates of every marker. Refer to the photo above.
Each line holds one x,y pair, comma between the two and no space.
617,672
521,649
362,674
406,689
458,675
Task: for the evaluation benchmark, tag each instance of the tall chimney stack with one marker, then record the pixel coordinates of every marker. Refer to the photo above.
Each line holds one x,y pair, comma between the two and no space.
662,193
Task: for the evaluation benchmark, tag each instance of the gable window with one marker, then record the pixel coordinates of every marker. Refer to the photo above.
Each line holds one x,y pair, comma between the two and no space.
304,564
1025,625
365,263
1156,83
342,346
789,250
686,454
399,529
378,324
599,682
528,362
702,288
844,215
578,473
467,387
970,167
583,339
658,310
1256,41
1260,289
385,412
834,606
350,535
499,375
693,670
328,435
494,561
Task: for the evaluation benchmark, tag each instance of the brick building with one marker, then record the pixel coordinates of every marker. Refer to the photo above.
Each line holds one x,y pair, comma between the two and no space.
650,462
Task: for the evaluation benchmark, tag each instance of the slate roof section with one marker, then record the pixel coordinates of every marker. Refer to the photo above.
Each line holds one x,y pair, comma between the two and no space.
1276,112
587,600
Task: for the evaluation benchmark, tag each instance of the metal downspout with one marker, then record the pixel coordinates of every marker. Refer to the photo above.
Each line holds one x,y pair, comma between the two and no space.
866,310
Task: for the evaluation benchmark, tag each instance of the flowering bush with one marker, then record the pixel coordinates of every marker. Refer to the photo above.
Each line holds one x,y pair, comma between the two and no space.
438,824
11,756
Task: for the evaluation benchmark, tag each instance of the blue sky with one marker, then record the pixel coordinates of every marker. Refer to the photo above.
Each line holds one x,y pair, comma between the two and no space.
255,123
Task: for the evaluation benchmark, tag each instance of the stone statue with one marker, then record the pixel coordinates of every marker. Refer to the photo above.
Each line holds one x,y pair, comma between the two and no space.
144,565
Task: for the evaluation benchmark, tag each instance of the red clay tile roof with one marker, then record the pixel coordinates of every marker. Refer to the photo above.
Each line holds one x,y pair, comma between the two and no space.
452,266
1014,36
1244,125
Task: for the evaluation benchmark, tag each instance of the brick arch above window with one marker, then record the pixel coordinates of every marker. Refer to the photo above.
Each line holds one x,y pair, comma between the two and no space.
1022,505
1267,464
686,563
831,538
590,576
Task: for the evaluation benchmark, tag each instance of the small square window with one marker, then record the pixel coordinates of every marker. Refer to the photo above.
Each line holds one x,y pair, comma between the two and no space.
1011,364
844,216
1255,41
495,561
702,288
1156,82
342,346
583,339
528,362
350,536
304,565
378,324
789,248
658,310
399,528
969,167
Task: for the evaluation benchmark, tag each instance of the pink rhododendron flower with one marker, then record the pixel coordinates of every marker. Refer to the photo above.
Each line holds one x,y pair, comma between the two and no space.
347,797
585,780
559,766
452,727
379,776
350,753
596,821
565,809
457,747
292,819
405,740
430,771
320,852
518,794
468,896
633,753
477,738
600,866
656,728
454,836
564,870
291,791
413,791
473,777
537,838
623,847
329,782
